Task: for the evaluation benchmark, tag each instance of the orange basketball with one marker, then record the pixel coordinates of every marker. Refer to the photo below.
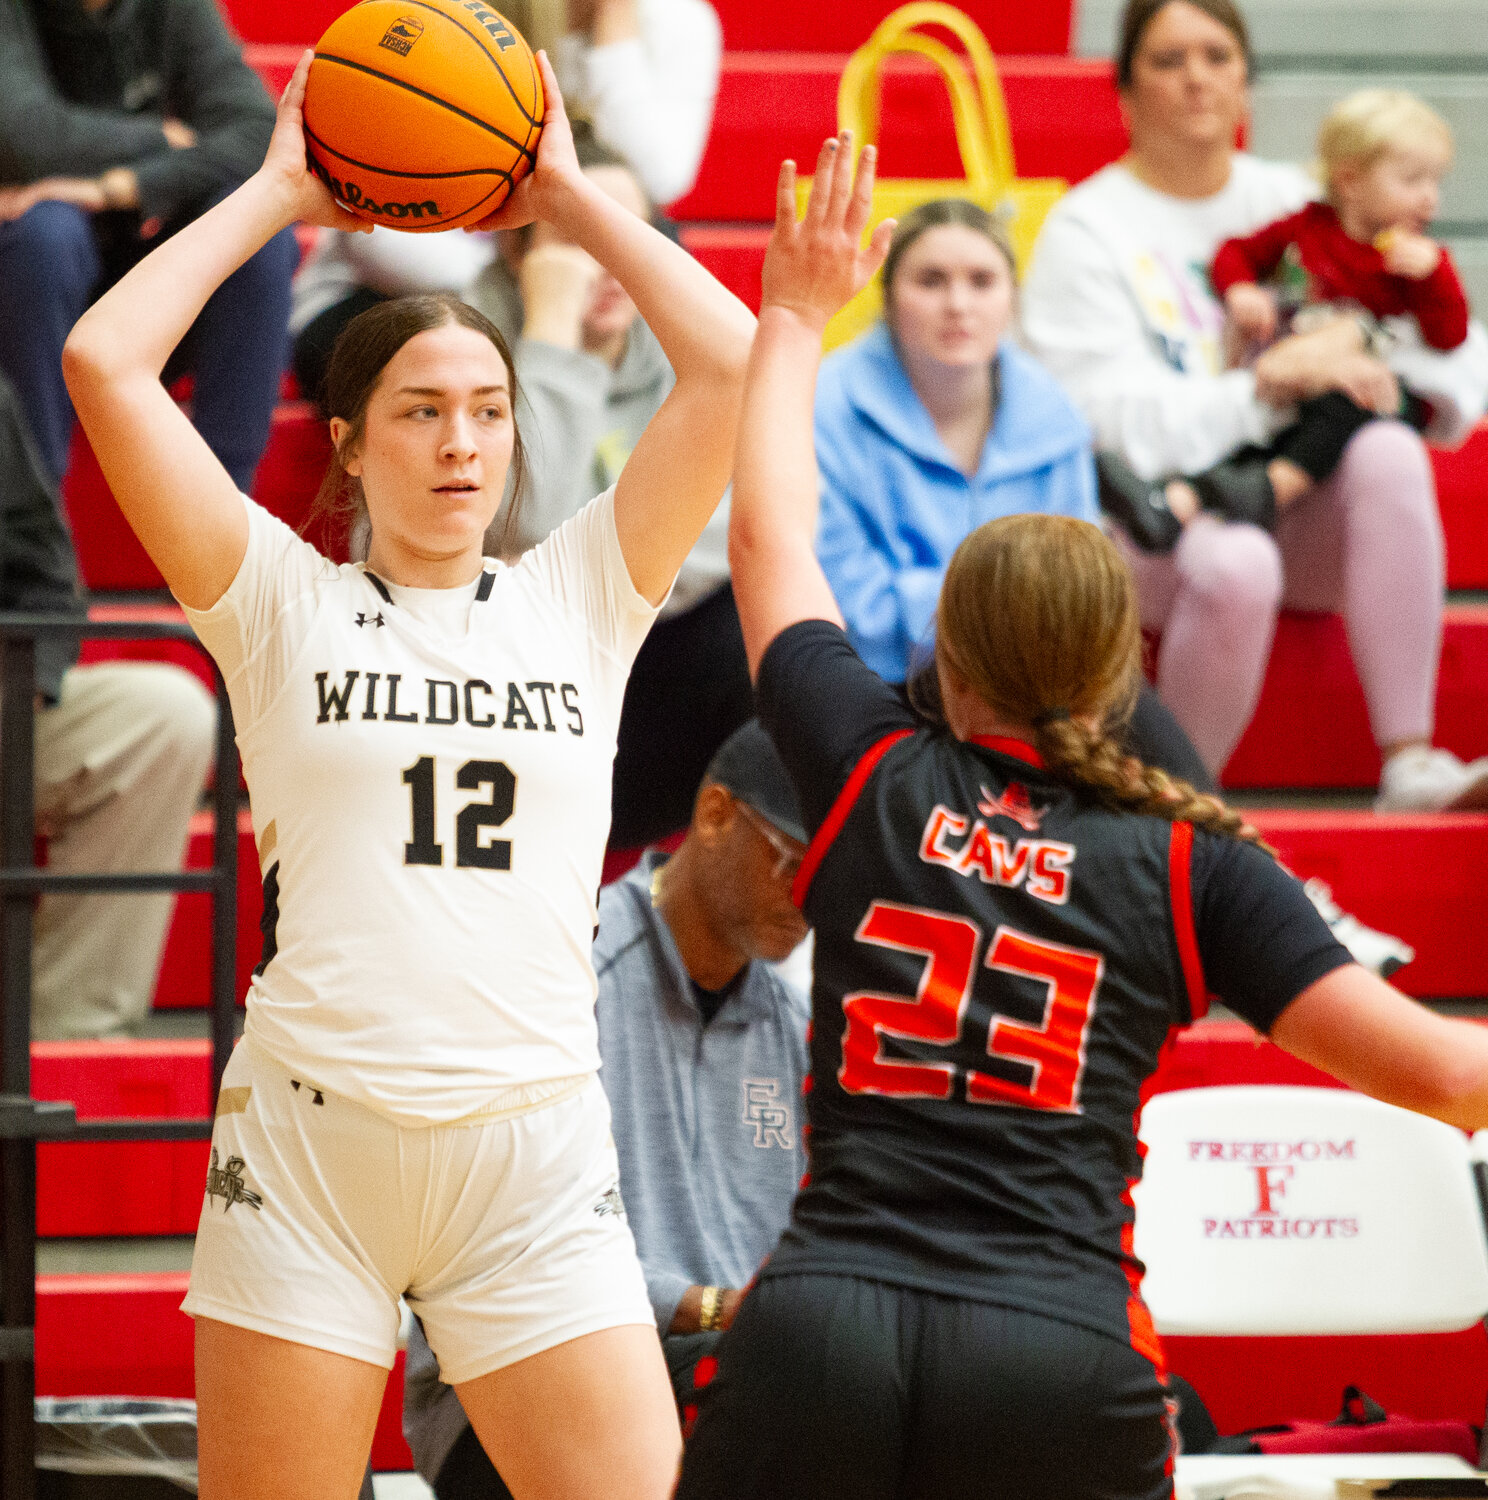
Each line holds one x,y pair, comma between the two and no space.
422,114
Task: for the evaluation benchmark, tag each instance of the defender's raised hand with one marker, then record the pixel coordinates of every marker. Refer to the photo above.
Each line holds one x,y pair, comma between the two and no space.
818,265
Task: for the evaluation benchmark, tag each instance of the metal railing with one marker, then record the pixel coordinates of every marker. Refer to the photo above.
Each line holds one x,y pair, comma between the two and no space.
23,1120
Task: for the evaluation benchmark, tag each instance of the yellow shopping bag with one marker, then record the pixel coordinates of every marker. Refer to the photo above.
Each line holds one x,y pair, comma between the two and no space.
982,136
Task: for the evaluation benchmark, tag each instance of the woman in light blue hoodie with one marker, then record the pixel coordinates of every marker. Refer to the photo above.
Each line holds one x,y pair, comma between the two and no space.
931,423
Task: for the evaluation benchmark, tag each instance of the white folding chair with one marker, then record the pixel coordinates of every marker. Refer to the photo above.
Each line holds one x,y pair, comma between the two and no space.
1273,1210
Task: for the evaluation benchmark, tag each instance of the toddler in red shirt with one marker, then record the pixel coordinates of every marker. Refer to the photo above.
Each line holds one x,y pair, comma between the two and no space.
1362,252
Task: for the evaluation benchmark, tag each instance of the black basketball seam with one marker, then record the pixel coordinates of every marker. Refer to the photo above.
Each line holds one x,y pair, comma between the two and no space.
357,67
368,166
500,71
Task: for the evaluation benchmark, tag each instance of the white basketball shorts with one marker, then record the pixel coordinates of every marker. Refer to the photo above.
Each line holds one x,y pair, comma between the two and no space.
506,1237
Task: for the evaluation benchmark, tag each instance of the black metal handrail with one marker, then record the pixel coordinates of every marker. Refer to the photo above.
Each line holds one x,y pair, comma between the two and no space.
24,1120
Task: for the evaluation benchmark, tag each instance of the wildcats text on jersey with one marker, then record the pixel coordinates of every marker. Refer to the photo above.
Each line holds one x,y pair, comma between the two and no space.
1042,867
384,696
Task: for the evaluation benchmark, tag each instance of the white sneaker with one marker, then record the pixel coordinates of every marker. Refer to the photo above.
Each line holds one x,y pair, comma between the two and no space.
1373,950
1426,779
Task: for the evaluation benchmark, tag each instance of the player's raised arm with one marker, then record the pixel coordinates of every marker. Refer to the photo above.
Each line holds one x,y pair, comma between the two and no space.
676,475
174,493
1365,1032
812,268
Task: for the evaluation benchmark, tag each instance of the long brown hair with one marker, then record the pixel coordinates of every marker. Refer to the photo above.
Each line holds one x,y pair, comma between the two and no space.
1038,616
361,353
1139,15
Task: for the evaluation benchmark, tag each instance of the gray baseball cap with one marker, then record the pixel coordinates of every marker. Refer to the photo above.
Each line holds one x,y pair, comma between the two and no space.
748,765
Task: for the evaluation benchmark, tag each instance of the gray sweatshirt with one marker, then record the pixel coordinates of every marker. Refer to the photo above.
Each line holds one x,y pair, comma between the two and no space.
706,1119
580,420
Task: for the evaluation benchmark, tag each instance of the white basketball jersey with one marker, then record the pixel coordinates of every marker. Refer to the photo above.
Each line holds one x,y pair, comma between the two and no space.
429,773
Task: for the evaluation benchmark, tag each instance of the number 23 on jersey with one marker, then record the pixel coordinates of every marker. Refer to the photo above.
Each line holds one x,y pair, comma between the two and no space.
1052,1051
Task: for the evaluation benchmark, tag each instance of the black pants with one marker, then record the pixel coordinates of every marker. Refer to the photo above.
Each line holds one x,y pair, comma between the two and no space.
1325,424
836,1386
688,691
469,1474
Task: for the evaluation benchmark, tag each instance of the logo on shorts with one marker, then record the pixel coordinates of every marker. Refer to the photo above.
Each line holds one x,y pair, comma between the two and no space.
611,1203
402,34
227,1183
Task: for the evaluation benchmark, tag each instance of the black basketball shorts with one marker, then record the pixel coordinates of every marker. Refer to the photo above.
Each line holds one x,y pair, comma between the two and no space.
835,1386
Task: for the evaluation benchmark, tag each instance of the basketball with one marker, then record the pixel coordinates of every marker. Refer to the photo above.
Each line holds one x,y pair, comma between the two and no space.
422,114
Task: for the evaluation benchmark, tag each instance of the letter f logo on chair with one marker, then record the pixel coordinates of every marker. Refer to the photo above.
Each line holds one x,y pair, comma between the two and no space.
1271,1183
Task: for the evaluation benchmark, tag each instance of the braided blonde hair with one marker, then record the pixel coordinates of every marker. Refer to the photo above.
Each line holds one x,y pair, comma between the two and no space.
1038,615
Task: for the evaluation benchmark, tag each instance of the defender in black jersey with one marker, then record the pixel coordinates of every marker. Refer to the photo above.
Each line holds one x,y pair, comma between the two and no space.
1011,919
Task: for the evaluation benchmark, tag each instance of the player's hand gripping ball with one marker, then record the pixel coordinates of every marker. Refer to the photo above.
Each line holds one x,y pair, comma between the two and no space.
422,114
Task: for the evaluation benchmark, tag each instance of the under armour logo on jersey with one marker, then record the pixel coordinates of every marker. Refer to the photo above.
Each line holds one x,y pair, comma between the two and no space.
366,619
767,1113
1013,803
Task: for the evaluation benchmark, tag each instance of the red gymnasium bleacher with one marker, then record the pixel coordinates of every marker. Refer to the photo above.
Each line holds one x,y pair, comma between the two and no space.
1419,877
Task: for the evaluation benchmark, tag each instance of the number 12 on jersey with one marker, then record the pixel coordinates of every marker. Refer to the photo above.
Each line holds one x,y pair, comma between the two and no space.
1054,1049
470,852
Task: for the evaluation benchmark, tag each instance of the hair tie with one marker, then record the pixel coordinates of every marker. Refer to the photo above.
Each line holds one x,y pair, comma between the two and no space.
1050,716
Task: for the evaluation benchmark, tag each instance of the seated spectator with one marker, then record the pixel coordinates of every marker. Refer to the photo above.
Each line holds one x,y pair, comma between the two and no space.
1118,305
121,752
118,124
931,423
347,273
1361,254
704,1056
593,375
643,72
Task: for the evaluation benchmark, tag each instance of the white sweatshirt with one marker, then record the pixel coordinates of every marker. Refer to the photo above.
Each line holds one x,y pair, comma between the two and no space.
388,261
1118,305
650,98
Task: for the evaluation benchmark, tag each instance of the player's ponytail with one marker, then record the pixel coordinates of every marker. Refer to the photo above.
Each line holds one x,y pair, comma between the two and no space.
1038,616
360,355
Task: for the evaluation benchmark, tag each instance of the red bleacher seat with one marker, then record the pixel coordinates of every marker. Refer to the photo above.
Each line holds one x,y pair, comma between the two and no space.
840,26
110,556
844,24
1311,729
112,1334
1462,494
185,978
298,25
1063,113
1415,875
122,1187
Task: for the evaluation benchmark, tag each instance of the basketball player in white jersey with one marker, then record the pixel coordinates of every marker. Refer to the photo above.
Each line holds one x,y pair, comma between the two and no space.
427,739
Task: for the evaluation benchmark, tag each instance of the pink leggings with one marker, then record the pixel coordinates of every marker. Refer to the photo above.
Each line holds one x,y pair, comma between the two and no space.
1366,543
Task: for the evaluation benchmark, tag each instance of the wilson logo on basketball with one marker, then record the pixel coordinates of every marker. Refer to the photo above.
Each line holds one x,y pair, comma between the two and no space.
496,28
354,198
402,34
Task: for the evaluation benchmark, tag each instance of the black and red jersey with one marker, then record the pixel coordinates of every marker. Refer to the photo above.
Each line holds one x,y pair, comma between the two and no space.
999,962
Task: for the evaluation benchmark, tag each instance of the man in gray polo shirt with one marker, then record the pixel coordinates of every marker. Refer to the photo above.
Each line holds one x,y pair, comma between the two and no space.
704,1052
